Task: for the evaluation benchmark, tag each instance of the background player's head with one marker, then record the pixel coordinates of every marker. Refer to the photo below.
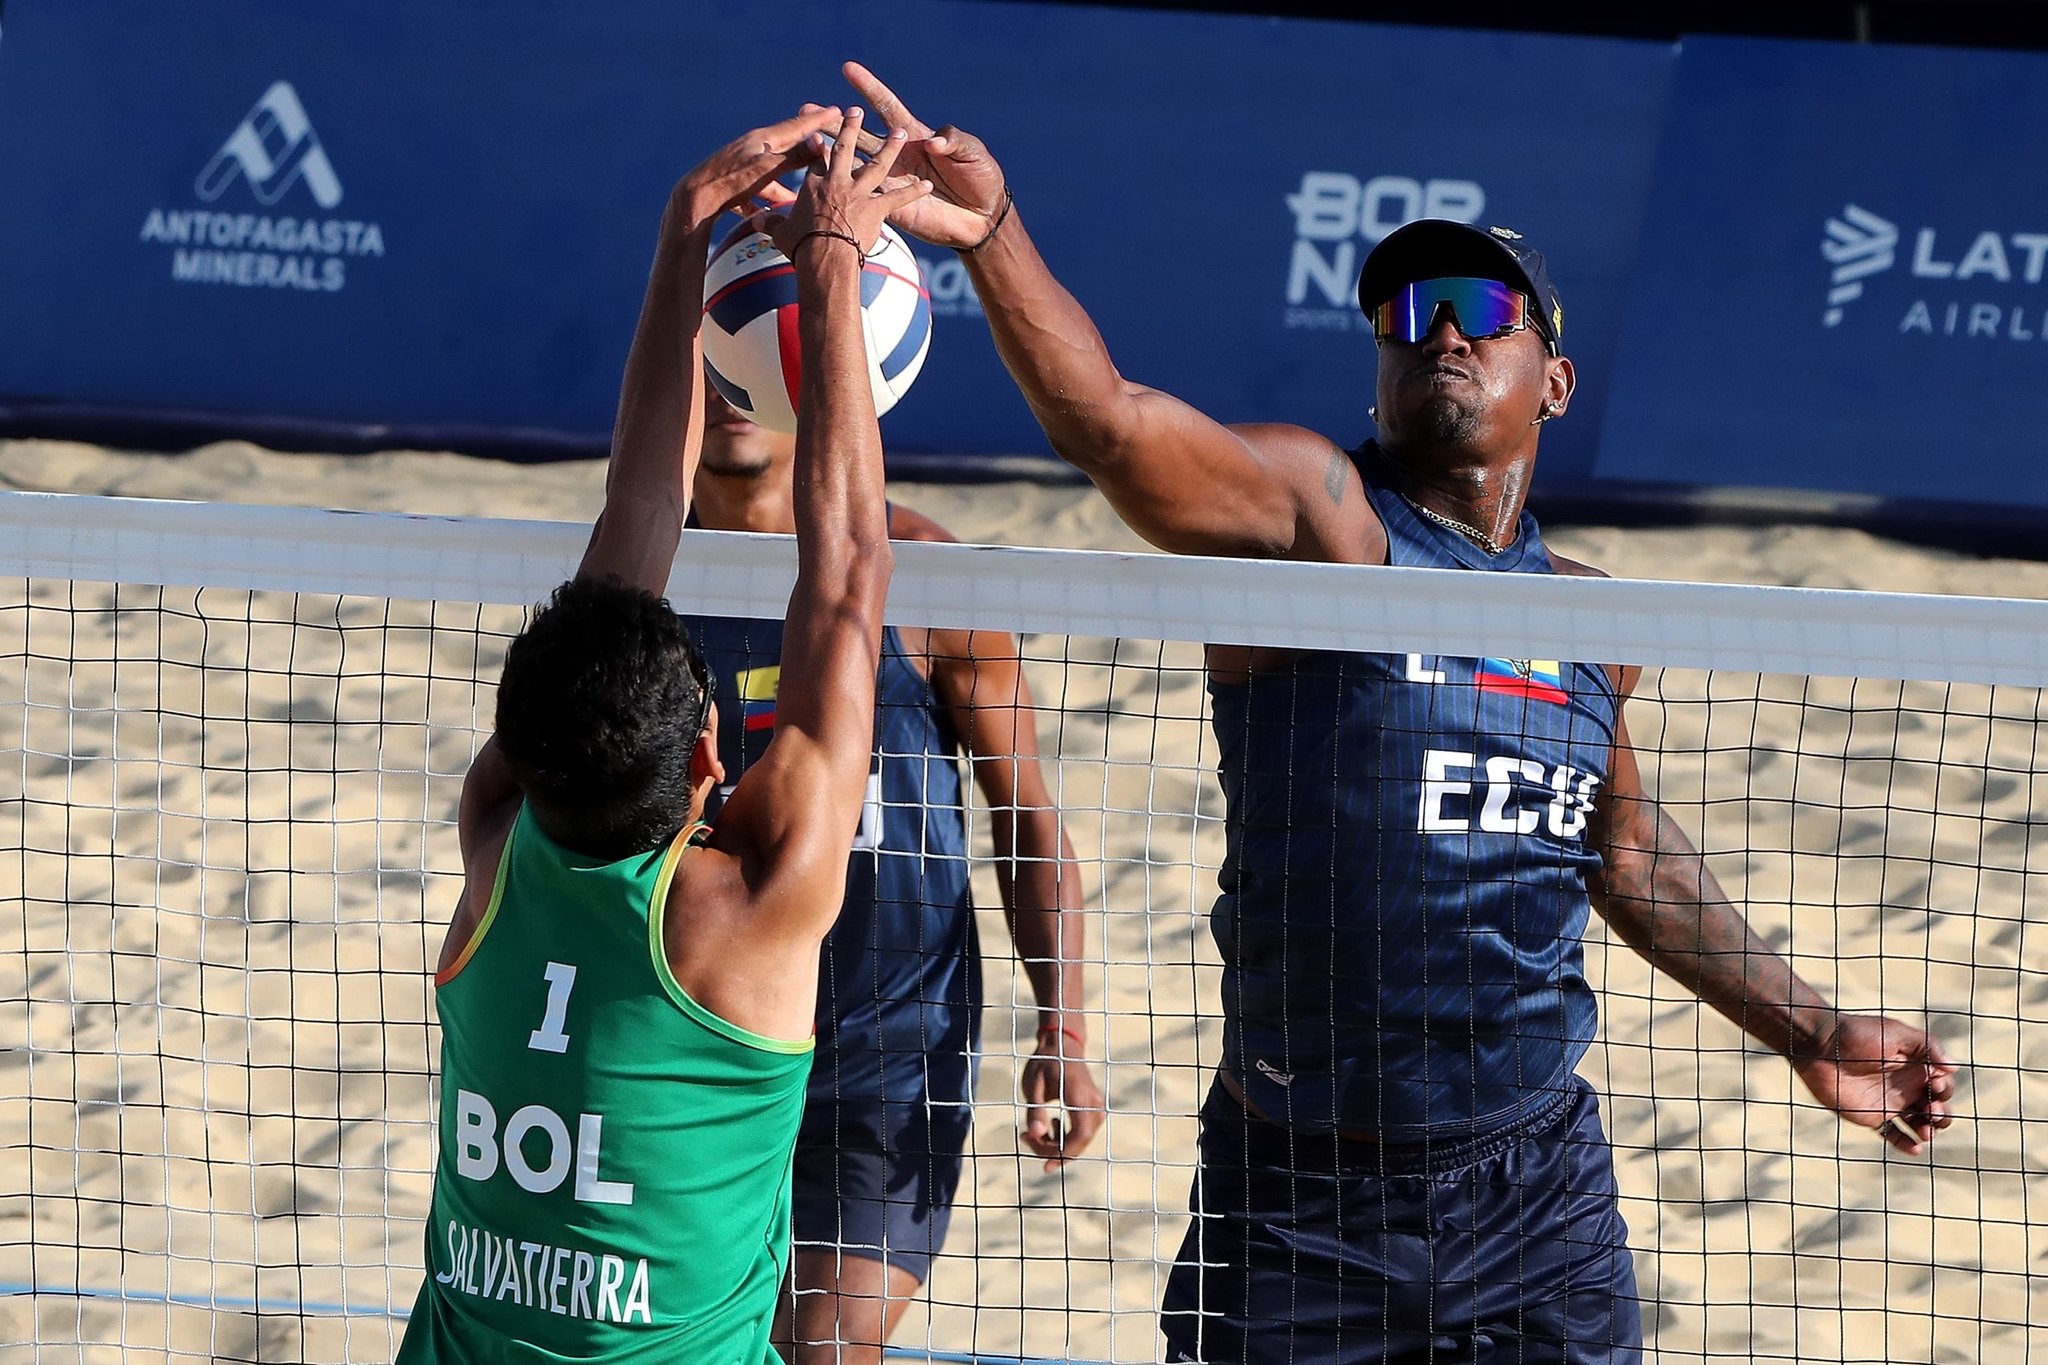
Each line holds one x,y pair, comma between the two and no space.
1470,333
604,712
737,448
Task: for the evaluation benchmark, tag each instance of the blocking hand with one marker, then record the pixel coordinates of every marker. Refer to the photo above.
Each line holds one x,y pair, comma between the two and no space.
968,185
845,199
748,165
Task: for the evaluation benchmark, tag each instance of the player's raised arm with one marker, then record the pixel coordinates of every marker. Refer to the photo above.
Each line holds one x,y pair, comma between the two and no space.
656,435
1181,479
793,815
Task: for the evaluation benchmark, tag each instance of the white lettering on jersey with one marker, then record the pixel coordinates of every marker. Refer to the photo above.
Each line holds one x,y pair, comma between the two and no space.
476,1128
1500,784
524,1121
1437,785
1419,674
1566,795
1572,803
590,1189
477,1150
549,1036
551,1279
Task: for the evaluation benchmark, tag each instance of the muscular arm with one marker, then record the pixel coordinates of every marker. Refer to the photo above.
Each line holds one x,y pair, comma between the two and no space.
795,811
1664,902
1659,895
656,435
791,819
1181,479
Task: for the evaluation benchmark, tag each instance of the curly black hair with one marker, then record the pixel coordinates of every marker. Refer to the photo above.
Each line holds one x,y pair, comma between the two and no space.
599,708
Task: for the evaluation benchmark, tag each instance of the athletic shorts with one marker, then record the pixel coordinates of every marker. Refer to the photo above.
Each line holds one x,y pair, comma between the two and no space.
876,1179
1506,1249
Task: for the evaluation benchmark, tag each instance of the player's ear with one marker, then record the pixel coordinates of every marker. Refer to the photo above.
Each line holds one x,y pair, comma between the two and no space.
1559,383
705,765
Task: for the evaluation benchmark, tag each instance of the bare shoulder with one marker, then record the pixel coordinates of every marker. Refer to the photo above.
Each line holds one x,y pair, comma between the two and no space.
1276,441
1336,523
907,524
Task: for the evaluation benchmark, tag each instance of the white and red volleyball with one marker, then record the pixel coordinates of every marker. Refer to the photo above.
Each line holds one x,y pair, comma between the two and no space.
750,335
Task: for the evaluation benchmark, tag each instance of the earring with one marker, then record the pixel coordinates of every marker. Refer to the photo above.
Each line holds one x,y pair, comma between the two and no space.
1372,415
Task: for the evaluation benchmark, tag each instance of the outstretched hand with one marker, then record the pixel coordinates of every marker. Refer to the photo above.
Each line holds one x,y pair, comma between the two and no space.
1883,1074
846,199
967,183
746,167
1054,1080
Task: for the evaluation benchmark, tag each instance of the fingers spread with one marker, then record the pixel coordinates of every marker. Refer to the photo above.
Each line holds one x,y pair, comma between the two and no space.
907,190
890,109
878,170
793,131
845,146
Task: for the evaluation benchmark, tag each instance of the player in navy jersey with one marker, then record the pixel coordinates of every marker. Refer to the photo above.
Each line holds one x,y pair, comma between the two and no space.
899,999
1398,1161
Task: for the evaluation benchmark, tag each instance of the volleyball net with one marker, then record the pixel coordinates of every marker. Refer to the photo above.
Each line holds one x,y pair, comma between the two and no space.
235,737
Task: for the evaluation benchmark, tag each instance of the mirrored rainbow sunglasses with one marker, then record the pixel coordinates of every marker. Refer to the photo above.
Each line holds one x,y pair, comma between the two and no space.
1481,309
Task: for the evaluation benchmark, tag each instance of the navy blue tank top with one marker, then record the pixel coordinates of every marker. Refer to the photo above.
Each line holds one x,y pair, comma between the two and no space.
1403,893
899,984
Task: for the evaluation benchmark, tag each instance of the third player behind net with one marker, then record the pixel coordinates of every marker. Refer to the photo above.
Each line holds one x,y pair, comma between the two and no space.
899,994
1398,1160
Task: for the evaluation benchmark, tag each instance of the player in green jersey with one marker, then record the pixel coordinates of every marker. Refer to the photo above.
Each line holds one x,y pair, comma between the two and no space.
626,996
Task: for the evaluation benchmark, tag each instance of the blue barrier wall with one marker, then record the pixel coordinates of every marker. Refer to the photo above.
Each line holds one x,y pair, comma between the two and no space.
1841,282
1206,185
1791,265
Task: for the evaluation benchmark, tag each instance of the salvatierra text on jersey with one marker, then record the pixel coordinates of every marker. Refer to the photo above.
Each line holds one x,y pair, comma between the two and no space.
550,1279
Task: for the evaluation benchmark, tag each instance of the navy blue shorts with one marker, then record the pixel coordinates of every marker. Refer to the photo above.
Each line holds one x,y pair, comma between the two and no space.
1509,1248
876,1178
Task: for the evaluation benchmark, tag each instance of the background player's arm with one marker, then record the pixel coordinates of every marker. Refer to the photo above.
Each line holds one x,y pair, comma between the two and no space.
1658,893
979,677
791,819
1181,479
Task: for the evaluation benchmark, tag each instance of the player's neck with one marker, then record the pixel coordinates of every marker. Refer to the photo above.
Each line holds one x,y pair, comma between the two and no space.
746,502
1487,495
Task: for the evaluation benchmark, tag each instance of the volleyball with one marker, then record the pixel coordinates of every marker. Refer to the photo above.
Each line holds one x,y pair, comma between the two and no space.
750,336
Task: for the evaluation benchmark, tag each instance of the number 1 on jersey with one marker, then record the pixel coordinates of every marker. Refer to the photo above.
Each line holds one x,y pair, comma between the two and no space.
549,1036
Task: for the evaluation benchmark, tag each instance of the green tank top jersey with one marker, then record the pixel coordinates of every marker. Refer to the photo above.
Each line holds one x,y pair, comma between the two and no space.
614,1172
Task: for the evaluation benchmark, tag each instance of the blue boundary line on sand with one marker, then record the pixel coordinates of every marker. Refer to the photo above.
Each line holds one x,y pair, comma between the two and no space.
238,1304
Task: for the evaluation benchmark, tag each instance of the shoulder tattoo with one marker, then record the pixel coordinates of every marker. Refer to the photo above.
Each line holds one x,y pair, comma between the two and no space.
1333,475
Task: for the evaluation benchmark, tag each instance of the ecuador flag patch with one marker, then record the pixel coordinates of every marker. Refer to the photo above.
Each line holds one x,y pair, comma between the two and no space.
1535,679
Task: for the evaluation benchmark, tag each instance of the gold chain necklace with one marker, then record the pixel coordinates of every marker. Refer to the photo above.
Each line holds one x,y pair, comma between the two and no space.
1465,529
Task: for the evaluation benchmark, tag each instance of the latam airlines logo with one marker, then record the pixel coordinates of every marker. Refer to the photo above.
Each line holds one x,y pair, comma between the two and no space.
1338,218
277,159
1973,294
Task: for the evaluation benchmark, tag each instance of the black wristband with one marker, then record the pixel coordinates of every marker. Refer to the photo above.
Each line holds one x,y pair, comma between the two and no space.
846,237
1001,216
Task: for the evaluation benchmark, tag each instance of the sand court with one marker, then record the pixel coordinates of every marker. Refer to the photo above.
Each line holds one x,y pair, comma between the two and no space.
237,855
